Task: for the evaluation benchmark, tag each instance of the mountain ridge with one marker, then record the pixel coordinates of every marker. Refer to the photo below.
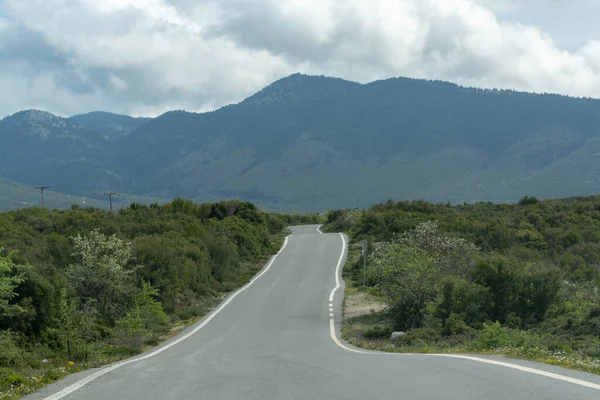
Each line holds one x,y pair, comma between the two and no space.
306,143
111,126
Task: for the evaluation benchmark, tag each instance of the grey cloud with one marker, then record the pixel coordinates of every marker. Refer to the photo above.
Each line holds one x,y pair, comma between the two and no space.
20,44
262,26
148,56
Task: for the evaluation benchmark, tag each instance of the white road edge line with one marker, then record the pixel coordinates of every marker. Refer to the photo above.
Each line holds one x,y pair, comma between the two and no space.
337,270
79,384
524,369
335,339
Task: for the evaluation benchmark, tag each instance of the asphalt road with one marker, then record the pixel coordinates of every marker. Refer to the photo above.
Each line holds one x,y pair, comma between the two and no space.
272,340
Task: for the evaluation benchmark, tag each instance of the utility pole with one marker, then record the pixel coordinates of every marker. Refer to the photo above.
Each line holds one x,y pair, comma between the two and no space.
110,195
365,262
41,189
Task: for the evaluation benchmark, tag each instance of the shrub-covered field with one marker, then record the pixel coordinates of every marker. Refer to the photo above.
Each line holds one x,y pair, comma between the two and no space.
83,287
521,279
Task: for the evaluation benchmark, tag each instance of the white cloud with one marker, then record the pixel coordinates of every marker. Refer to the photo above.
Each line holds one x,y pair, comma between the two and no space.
148,56
502,6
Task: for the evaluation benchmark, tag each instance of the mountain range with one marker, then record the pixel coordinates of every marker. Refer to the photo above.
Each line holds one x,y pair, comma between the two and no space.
312,143
110,126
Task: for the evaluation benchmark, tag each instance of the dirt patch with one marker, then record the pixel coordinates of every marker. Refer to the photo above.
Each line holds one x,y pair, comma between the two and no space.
360,303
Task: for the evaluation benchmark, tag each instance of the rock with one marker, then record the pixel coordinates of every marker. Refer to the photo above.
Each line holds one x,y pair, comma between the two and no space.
45,361
396,335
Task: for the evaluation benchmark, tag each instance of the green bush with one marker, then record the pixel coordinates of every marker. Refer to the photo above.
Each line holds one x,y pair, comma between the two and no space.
8,379
194,310
592,349
494,336
377,332
52,374
455,325
532,267
527,200
129,330
10,353
74,280
152,315
408,276
418,336
465,300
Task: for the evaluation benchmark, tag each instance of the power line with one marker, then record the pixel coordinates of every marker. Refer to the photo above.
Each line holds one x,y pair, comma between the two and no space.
41,189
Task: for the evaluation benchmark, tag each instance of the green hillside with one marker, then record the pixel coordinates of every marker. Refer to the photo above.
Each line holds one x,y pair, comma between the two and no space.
111,126
312,143
14,196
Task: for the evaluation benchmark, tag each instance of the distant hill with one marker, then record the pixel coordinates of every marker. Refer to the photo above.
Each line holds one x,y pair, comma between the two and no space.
41,148
14,196
313,143
111,126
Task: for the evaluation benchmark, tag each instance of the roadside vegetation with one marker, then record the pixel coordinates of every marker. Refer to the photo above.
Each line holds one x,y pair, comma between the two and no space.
80,288
521,280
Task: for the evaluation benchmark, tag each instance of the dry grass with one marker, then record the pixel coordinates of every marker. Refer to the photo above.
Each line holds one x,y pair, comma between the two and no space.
358,303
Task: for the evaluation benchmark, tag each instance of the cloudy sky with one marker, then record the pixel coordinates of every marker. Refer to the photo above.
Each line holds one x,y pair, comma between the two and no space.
144,57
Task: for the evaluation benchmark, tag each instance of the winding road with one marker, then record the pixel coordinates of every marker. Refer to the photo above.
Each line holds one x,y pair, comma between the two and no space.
278,338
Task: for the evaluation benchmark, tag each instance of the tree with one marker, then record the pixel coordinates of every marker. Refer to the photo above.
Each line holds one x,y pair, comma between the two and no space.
150,309
527,201
454,256
461,299
99,276
75,327
408,276
10,278
505,279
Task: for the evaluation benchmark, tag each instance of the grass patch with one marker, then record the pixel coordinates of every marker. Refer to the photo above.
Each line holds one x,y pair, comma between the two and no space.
372,332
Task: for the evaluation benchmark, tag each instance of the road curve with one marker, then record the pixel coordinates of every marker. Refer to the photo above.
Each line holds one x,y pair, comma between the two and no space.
273,340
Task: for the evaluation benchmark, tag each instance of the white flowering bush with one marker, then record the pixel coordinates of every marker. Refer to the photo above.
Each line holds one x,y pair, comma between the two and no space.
455,256
99,275
407,275
409,268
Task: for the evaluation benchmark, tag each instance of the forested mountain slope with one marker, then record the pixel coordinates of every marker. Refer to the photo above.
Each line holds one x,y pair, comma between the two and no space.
315,143
312,143
39,148
111,126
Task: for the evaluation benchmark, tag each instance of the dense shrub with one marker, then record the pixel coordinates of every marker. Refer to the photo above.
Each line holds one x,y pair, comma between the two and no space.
10,353
79,282
510,275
